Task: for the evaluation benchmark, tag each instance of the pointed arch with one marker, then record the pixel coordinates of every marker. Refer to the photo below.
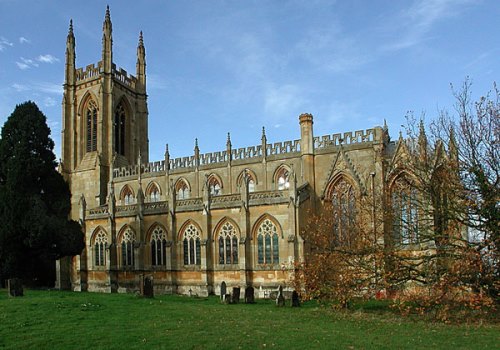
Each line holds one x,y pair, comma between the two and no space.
252,179
226,236
341,194
153,192
89,111
404,203
281,177
214,184
267,233
182,188
157,239
99,241
126,243
190,236
121,117
127,195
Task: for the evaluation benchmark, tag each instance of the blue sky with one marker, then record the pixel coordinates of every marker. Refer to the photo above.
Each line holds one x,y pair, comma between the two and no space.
215,67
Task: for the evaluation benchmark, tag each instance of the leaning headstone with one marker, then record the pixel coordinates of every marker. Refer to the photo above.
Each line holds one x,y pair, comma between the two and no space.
280,299
146,286
235,296
249,295
223,291
15,287
295,299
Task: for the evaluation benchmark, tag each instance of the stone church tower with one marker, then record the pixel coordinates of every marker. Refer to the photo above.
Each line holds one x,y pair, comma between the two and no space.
105,125
105,119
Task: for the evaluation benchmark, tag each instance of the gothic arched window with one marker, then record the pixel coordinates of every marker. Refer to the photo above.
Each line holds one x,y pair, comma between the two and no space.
192,245
228,245
214,186
158,247
182,189
404,199
344,212
127,246
127,196
120,119
153,192
282,178
267,243
250,175
100,242
91,123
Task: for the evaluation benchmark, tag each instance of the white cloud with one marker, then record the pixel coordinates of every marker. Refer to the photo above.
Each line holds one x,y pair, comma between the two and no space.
49,102
4,43
26,63
20,87
48,58
331,49
23,40
284,100
49,88
417,21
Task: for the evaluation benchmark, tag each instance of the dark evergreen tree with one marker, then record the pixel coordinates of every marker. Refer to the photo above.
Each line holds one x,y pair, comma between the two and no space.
35,229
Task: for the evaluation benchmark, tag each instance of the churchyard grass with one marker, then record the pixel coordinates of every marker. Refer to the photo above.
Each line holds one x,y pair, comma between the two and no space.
71,320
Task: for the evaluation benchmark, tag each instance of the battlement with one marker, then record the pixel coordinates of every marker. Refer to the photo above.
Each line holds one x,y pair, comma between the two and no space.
123,77
347,138
92,71
277,149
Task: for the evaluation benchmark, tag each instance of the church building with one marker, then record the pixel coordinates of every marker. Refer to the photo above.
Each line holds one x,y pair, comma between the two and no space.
193,222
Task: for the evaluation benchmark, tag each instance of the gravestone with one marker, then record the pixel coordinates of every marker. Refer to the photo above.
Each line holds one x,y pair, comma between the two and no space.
223,291
249,295
295,299
146,286
235,296
15,287
280,300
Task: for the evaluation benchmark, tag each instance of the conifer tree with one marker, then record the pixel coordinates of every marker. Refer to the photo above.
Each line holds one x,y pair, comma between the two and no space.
35,229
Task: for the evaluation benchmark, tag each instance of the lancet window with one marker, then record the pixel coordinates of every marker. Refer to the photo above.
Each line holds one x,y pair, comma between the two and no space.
100,242
192,245
120,120
267,243
228,245
158,247
127,247
344,212
404,198
182,190
153,192
91,124
283,179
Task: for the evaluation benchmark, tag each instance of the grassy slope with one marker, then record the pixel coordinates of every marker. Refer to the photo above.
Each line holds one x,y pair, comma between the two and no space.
64,320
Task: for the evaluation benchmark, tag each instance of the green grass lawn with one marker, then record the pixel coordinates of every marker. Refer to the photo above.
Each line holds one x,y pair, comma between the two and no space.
66,320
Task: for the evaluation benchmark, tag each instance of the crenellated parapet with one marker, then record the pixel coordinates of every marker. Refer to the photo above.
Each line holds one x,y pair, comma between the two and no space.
93,71
347,138
90,72
280,148
123,77
274,150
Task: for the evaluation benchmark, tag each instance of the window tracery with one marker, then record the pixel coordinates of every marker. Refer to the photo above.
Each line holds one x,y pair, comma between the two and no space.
127,246
100,242
228,244
192,245
91,124
404,197
120,119
344,212
158,247
267,243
